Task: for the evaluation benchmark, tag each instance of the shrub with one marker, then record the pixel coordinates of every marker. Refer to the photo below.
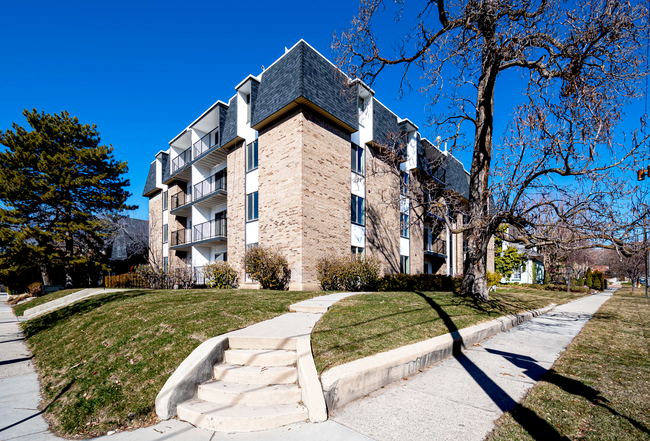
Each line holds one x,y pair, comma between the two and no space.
348,273
220,275
419,282
493,279
129,280
598,280
267,267
35,289
589,281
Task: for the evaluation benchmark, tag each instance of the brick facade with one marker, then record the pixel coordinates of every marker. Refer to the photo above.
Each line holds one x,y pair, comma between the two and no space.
236,163
155,228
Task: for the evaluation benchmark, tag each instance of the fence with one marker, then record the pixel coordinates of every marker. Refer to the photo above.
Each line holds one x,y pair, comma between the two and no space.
129,280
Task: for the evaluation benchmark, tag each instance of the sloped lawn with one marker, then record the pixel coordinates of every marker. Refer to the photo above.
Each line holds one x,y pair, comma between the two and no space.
103,360
367,324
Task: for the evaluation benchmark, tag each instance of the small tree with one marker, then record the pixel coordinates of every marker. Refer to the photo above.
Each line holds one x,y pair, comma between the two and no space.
220,275
589,278
268,267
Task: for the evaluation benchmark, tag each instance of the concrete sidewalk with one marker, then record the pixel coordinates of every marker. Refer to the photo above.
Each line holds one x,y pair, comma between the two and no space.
461,397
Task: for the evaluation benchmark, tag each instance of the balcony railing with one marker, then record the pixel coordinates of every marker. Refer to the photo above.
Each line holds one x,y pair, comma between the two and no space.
206,143
210,229
181,237
437,246
181,160
199,275
179,199
439,174
214,183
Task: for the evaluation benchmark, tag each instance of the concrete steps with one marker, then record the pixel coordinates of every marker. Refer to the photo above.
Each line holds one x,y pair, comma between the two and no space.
255,388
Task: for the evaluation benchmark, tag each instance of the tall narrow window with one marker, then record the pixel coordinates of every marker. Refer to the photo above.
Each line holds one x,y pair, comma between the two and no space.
357,159
362,104
358,210
252,207
404,225
404,265
165,233
251,156
165,264
247,100
404,183
165,194
358,251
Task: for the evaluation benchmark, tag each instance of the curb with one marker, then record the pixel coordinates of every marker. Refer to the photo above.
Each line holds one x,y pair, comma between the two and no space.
358,378
67,300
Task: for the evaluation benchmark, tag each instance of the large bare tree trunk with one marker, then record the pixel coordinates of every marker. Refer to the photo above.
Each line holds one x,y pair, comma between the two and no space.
475,271
45,274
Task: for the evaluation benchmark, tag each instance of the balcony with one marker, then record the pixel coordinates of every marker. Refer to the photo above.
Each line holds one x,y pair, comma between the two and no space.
179,162
207,193
204,144
214,230
437,247
438,174
181,237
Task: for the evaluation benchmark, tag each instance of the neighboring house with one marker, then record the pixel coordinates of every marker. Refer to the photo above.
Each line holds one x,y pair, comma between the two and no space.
128,247
293,161
532,271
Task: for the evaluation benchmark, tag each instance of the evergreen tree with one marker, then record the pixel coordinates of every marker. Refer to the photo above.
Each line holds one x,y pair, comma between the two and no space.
56,183
589,278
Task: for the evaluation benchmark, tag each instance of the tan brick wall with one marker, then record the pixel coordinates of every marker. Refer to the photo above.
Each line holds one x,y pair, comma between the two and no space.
326,194
155,229
236,163
416,233
174,222
280,190
382,212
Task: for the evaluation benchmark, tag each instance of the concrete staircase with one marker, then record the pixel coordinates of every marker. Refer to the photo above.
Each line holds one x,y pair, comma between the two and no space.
255,388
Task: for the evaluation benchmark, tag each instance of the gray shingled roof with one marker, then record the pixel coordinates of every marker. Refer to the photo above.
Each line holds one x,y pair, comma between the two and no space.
150,185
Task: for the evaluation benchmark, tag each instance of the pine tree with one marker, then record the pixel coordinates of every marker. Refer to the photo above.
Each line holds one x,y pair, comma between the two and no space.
56,184
589,278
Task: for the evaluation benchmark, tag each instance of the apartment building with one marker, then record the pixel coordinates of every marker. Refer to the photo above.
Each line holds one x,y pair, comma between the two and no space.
294,161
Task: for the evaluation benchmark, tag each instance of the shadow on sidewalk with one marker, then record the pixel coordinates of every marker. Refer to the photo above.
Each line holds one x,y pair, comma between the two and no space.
64,390
536,426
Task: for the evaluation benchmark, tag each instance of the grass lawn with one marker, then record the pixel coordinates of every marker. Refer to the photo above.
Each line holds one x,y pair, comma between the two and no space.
103,360
20,309
599,388
368,324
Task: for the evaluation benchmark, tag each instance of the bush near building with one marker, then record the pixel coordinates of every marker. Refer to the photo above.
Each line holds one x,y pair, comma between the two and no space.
220,275
348,273
268,267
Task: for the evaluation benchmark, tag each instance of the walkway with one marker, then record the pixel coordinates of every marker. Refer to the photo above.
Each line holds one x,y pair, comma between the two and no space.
461,397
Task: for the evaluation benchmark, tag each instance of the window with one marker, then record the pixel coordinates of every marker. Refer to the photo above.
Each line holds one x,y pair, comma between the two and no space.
247,100
362,104
221,257
404,183
404,265
358,251
357,159
165,194
251,156
516,274
165,233
358,210
165,264
252,207
404,225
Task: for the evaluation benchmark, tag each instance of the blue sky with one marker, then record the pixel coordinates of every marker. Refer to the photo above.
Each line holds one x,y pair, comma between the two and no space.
143,70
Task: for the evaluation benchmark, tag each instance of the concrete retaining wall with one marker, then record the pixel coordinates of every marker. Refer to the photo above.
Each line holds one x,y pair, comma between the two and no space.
353,380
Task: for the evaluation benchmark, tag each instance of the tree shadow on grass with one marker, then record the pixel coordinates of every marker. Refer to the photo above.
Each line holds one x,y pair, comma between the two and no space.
46,321
569,385
536,426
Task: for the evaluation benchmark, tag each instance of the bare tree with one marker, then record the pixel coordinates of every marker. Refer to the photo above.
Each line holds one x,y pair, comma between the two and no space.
631,267
580,64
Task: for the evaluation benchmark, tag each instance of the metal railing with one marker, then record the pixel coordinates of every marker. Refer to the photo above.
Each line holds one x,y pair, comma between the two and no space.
206,142
181,237
199,276
437,245
214,183
210,229
179,199
181,160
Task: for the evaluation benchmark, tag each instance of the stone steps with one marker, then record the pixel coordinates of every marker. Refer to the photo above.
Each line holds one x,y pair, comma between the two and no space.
255,388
